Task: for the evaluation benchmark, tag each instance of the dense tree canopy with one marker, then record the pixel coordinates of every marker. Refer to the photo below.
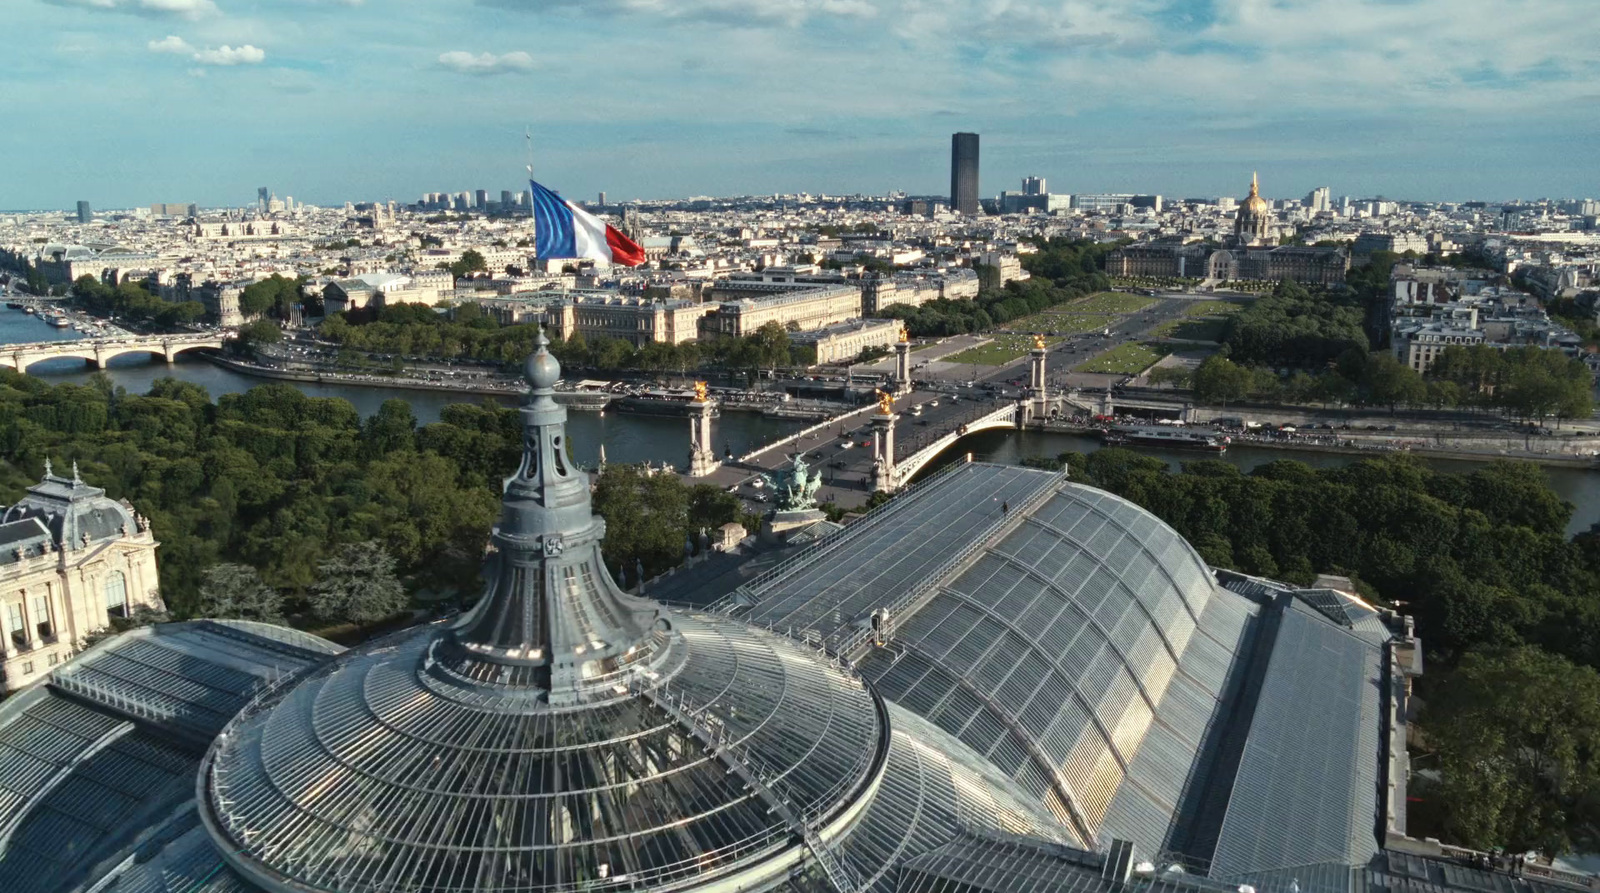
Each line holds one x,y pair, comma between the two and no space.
258,494
272,296
357,584
410,330
132,300
1518,737
269,478
235,591
1296,328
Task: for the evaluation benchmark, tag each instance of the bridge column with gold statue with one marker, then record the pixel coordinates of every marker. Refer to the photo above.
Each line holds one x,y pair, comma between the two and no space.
1038,384
883,471
702,458
902,364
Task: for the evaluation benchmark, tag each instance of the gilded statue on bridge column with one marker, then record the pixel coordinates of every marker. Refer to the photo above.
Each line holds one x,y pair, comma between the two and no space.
885,402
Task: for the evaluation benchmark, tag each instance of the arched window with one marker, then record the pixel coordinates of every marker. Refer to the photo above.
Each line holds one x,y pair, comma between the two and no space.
116,595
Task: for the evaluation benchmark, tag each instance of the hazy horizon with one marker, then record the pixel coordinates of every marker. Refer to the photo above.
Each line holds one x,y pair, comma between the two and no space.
127,102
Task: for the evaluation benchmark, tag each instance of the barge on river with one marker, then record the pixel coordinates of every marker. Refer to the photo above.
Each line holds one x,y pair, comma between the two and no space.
1157,435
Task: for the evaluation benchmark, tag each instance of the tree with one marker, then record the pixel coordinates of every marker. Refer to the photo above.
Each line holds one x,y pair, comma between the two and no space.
273,295
358,585
235,592
389,429
471,262
772,346
647,517
1389,382
1177,376
262,331
1518,738
1220,380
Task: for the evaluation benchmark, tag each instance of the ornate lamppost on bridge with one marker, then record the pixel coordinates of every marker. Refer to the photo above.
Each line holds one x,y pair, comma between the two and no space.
883,471
902,363
702,458
1038,382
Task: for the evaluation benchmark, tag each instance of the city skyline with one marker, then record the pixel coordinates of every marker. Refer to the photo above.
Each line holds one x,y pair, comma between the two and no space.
334,100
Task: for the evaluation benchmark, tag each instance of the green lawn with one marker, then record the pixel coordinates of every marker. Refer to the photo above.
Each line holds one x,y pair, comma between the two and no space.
1205,328
1108,302
1214,308
1002,350
1058,321
1126,359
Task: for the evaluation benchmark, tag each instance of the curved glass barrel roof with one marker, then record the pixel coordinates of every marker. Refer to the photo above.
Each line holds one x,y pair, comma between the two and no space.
1051,650
561,736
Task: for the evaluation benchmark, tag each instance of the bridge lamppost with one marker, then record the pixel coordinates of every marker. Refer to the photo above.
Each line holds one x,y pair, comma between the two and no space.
1038,382
883,471
902,363
702,458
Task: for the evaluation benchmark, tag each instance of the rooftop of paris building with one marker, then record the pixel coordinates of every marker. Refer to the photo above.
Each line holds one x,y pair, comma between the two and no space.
999,681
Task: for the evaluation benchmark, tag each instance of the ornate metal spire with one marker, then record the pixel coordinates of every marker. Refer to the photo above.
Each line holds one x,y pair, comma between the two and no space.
551,619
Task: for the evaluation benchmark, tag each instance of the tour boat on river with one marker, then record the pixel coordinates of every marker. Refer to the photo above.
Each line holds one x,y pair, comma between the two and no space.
659,401
1158,435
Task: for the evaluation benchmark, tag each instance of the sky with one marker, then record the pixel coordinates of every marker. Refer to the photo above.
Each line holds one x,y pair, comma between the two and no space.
128,102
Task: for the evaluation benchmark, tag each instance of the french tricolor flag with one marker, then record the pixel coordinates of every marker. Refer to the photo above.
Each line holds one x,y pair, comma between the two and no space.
563,230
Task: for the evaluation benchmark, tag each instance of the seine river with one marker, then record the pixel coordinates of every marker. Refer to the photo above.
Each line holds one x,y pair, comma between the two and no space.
627,437
635,438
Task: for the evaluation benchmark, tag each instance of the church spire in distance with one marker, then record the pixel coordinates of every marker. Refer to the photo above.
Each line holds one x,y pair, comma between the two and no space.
551,619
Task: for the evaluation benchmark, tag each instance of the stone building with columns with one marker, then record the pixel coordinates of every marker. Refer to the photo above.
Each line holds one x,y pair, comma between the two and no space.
70,560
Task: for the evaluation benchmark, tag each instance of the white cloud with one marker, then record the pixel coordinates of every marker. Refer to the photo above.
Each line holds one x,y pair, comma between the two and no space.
185,9
172,43
226,55
244,54
486,63
726,12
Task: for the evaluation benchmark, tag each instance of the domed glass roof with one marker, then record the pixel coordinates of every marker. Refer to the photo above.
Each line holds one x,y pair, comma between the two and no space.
380,774
563,735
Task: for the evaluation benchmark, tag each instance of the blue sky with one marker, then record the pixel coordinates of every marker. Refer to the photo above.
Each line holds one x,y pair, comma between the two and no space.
126,102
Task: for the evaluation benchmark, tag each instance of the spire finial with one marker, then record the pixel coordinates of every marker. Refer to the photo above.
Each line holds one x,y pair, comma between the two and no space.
541,370
549,619
75,479
1255,189
48,470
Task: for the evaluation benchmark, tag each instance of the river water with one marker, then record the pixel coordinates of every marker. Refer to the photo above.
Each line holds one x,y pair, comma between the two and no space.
635,438
627,437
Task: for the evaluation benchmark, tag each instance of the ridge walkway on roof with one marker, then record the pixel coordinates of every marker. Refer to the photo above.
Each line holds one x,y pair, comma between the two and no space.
871,564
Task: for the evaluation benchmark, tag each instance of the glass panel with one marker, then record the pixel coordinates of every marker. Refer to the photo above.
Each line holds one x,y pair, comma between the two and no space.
40,606
116,595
